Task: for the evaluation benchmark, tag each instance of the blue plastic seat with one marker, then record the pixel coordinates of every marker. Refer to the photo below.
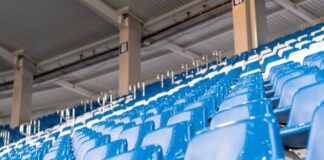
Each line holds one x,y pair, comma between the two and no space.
153,152
281,68
173,140
241,99
284,73
314,59
249,87
138,120
159,120
322,64
105,151
135,135
291,86
197,118
252,109
90,144
293,74
315,142
295,134
208,101
256,138
115,132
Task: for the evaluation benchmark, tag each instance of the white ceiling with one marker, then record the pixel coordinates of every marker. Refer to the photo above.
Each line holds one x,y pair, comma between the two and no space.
56,32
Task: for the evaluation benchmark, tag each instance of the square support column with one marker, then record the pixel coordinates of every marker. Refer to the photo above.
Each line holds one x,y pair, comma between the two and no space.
22,92
130,53
249,21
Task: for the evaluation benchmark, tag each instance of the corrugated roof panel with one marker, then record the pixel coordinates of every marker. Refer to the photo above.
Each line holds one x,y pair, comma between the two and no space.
148,9
314,7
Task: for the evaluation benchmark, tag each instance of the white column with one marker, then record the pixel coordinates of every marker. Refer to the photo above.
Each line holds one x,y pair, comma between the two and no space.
249,20
130,53
22,91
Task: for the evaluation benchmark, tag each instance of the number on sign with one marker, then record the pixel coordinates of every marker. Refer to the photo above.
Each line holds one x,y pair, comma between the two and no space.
237,2
124,47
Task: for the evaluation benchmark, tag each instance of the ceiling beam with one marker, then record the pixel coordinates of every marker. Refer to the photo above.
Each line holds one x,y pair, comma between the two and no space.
78,50
295,9
6,55
103,9
223,31
74,88
174,12
9,57
179,50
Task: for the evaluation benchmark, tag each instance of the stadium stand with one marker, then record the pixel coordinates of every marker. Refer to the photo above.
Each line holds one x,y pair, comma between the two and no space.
251,106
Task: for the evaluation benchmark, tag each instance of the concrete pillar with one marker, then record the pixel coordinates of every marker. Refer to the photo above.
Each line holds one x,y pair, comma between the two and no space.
22,92
249,21
130,53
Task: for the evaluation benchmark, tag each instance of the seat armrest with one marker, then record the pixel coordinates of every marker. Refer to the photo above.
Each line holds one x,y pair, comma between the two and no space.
282,114
266,81
268,86
295,137
293,130
269,93
275,101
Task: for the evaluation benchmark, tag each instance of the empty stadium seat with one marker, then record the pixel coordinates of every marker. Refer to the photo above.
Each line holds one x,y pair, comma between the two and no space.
256,138
305,102
197,117
255,108
135,135
315,141
105,151
173,140
144,153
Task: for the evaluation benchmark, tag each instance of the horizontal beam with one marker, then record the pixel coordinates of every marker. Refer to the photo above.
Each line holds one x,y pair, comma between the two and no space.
223,31
102,9
74,88
6,55
295,9
179,50
173,12
78,50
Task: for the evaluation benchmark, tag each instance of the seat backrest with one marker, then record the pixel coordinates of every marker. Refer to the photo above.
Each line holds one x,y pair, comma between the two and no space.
241,112
105,151
305,102
281,68
135,135
298,56
145,153
173,140
273,64
291,86
197,117
295,73
316,47
249,87
138,120
285,72
241,140
85,147
241,99
159,120
315,141
115,132
154,111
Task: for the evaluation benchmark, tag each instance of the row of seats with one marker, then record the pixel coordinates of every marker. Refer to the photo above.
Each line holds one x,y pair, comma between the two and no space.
257,105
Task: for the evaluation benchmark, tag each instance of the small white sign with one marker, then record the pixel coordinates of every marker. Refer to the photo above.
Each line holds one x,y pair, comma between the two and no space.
237,2
123,48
